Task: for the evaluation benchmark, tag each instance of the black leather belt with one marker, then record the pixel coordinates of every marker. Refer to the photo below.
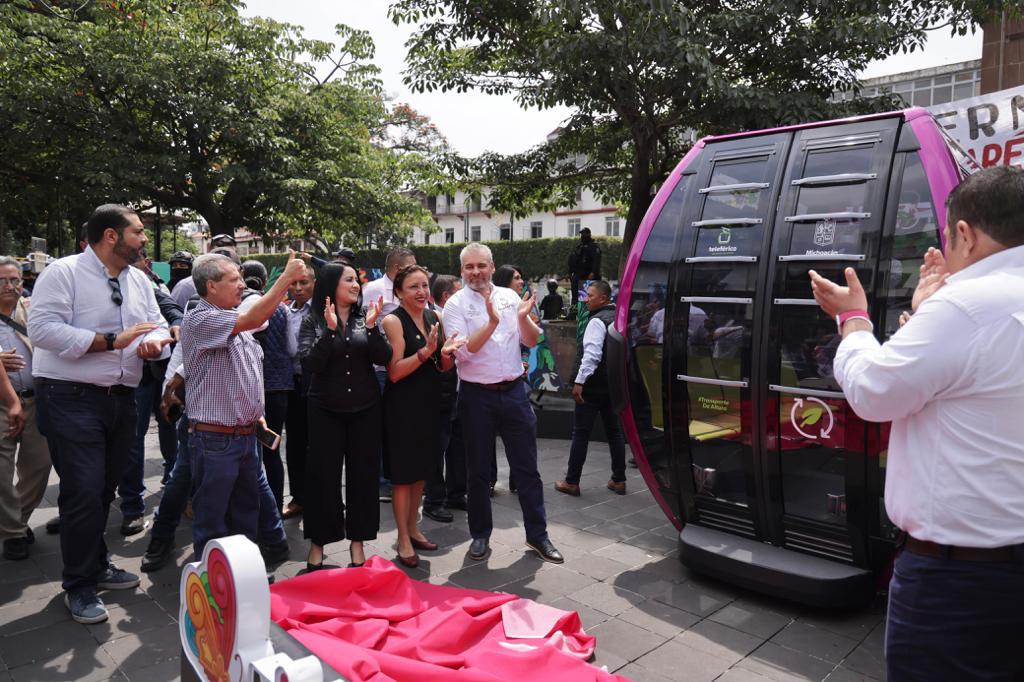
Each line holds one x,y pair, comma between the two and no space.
117,389
984,554
500,386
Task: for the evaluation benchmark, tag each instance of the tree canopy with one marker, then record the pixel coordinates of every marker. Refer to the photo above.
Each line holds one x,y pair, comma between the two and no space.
193,107
643,75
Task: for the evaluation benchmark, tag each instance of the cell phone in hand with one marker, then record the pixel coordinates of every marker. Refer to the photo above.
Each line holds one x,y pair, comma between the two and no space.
267,438
174,413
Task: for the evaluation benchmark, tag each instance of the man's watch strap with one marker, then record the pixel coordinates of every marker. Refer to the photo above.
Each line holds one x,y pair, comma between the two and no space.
110,338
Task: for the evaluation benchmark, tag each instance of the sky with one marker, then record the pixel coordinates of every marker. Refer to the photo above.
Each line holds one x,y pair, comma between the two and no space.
474,122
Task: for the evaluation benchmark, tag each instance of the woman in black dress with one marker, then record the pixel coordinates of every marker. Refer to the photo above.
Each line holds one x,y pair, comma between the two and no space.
338,347
412,403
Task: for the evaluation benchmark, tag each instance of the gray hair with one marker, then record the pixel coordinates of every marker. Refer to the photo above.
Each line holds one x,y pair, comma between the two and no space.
7,260
475,246
209,267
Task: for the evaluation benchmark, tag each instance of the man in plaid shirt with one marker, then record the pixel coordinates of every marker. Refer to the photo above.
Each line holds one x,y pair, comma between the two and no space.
224,396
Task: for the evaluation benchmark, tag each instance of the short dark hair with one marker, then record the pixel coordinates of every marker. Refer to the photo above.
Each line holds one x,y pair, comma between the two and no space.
406,271
552,285
443,284
991,200
107,217
397,255
255,274
228,253
602,287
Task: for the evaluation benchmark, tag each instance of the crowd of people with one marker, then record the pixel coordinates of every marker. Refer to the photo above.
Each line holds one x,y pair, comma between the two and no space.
395,390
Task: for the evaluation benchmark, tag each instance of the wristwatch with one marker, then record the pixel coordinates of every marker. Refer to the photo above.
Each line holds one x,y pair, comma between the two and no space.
110,338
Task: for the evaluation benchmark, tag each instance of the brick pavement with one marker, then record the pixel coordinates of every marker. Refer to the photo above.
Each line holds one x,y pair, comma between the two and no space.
654,620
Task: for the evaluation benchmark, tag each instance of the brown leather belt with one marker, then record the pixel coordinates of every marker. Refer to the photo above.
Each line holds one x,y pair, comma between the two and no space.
985,554
241,430
500,386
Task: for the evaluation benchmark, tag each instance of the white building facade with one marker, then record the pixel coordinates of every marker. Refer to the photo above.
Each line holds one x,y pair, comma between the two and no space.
460,219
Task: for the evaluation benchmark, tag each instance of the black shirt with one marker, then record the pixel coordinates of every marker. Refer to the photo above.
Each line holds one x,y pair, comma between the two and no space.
340,363
551,306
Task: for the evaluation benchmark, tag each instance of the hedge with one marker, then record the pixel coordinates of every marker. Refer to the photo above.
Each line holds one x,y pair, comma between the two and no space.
537,257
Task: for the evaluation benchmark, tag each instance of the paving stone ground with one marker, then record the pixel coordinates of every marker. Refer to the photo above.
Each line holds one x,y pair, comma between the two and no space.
654,619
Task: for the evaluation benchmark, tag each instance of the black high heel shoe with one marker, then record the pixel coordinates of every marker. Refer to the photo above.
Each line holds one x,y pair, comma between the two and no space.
314,567
353,563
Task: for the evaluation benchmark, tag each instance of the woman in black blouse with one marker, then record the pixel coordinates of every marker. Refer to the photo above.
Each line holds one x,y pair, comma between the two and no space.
338,348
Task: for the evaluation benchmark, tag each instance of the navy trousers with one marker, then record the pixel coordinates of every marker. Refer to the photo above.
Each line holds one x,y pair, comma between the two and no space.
448,480
90,433
275,411
486,414
955,620
132,489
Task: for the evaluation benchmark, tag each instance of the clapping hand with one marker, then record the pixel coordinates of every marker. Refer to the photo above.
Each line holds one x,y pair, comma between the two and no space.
431,340
330,315
835,299
934,273
373,312
452,344
492,314
525,306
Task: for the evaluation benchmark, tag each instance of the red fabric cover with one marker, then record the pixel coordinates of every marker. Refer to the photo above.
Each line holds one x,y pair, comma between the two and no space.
377,624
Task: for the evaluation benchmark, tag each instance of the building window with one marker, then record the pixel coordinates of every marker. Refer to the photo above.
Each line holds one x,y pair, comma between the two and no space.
536,229
579,194
574,227
611,226
505,231
449,235
426,237
474,233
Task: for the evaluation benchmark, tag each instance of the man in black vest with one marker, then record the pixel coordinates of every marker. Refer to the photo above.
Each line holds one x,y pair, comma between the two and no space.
584,264
592,397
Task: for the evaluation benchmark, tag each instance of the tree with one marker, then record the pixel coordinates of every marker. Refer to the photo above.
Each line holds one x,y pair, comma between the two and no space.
641,74
194,108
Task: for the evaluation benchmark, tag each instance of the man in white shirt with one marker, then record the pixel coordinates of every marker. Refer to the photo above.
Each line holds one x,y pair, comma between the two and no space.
493,399
592,397
94,320
952,382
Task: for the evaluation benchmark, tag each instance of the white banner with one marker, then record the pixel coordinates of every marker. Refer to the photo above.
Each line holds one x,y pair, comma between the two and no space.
990,128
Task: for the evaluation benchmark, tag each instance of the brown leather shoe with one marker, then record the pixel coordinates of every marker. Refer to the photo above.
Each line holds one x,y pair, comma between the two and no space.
617,487
567,488
409,561
423,545
291,510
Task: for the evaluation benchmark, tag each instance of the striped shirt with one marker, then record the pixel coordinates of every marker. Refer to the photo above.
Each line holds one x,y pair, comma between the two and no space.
223,371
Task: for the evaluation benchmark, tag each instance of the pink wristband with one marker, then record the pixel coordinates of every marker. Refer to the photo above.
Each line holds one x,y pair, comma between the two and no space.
843,318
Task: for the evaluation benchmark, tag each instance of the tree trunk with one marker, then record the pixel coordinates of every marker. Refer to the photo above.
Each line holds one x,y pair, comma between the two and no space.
639,197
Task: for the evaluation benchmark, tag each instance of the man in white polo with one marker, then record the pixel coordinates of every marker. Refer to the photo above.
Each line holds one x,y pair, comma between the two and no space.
493,398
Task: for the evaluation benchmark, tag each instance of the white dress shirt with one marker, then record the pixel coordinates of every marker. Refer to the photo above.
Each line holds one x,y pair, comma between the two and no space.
593,347
500,358
71,303
382,286
952,382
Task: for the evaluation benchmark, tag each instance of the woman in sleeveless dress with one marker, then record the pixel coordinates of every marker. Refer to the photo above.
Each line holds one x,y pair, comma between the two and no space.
412,399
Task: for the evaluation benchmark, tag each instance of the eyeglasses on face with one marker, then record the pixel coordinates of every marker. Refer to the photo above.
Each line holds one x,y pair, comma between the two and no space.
115,290
10,281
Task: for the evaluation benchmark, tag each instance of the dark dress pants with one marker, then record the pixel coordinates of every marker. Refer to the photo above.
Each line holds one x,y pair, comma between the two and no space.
296,426
584,416
275,410
349,441
132,488
448,480
90,433
486,414
955,620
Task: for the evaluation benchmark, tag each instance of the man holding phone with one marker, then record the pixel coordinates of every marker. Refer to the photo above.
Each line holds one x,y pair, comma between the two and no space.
224,396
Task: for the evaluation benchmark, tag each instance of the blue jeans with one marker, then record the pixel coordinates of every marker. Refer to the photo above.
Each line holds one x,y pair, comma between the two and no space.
179,489
90,433
955,620
584,416
228,481
132,488
486,414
